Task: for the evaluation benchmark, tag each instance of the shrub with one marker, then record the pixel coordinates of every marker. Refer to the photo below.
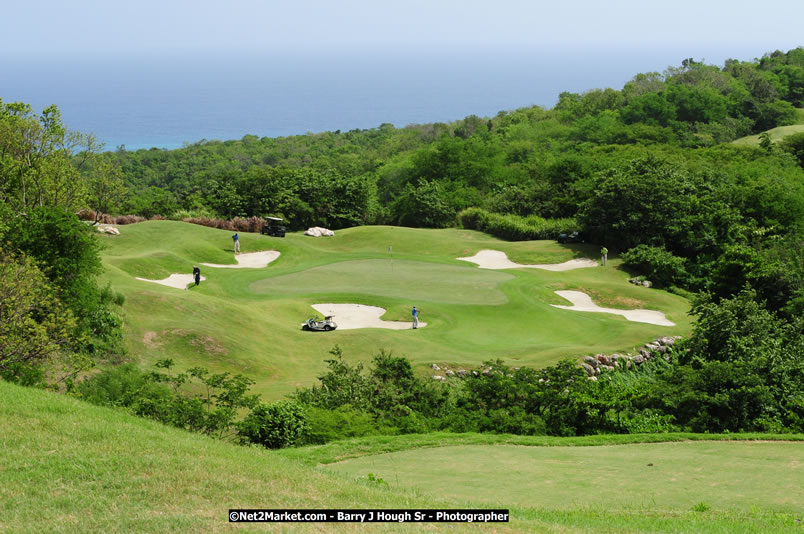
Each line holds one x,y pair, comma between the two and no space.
513,227
274,426
34,325
91,215
342,423
124,386
660,266
238,224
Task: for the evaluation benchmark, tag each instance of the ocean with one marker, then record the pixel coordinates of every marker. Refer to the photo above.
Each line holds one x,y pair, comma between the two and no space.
172,100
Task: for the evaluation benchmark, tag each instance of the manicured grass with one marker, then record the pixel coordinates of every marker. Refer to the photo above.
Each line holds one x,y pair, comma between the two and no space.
668,477
66,466
248,320
338,451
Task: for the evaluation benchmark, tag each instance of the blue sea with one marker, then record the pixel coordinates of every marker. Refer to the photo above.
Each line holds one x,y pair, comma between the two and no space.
171,100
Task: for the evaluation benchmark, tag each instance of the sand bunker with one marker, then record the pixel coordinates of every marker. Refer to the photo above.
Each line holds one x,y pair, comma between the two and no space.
353,316
583,302
179,281
249,260
495,259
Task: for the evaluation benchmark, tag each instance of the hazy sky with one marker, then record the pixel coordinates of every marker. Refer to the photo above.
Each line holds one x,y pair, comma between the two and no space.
88,28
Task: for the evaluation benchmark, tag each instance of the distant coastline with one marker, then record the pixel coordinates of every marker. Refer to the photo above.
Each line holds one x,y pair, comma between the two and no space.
169,102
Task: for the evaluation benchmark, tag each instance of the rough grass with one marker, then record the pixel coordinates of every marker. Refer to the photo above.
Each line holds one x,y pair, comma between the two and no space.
776,134
66,466
251,317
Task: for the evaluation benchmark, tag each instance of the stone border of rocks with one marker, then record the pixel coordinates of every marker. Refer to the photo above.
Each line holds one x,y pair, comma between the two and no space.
593,365
599,363
459,372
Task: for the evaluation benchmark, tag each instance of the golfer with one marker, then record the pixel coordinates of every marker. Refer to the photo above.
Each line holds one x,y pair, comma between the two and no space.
197,274
415,314
604,255
236,240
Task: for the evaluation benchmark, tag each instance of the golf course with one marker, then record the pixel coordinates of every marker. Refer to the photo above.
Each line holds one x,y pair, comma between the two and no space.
248,320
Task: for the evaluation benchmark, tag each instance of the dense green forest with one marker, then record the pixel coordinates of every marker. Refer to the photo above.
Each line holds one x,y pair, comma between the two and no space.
648,170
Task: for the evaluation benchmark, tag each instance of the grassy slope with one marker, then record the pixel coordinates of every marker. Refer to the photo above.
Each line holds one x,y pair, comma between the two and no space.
776,134
247,321
66,466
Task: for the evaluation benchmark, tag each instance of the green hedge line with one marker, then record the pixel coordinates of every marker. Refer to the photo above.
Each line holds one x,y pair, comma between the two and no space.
513,227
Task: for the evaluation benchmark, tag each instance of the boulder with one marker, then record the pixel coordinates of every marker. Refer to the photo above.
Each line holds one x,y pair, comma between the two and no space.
591,361
590,371
667,341
449,372
435,367
647,283
106,229
461,373
592,378
438,377
317,231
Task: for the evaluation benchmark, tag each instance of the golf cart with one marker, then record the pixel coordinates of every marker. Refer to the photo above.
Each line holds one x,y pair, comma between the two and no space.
574,237
274,227
318,325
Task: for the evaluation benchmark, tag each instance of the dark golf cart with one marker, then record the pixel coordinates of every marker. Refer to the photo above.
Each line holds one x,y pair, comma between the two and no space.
319,325
274,227
574,237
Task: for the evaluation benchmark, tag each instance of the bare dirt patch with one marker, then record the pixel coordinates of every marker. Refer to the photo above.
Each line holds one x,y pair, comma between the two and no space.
208,344
151,339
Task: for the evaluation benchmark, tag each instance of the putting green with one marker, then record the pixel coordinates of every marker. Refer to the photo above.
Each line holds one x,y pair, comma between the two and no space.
657,477
248,320
414,281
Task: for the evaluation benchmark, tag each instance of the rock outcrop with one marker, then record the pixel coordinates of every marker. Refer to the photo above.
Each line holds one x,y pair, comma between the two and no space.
317,231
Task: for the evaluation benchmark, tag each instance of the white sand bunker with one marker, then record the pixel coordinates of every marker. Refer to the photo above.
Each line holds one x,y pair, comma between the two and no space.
353,316
249,260
583,302
495,259
179,281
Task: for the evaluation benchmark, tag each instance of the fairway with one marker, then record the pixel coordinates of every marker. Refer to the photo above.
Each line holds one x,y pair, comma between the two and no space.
654,477
247,320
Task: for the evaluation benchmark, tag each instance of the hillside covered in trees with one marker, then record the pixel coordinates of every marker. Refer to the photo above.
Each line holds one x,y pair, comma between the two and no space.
648,170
